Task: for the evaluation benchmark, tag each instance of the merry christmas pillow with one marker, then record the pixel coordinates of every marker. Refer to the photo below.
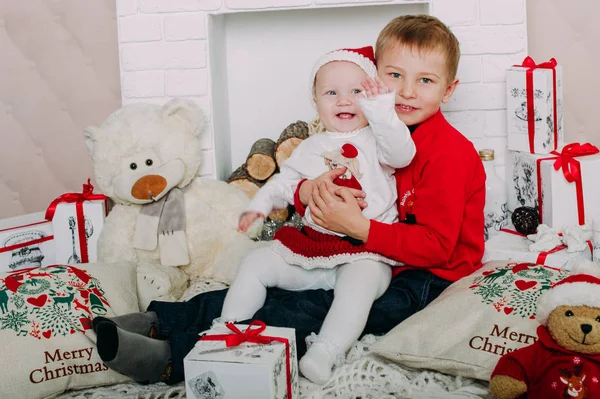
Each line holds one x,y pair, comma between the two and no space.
474,321
48,345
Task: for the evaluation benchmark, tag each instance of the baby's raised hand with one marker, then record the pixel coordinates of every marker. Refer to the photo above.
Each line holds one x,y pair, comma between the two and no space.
247,218
373,87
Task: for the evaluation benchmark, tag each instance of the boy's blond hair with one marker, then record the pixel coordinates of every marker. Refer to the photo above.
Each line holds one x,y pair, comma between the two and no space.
420,32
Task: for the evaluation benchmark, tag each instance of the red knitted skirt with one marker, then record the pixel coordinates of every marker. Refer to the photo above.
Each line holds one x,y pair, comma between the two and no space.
312,249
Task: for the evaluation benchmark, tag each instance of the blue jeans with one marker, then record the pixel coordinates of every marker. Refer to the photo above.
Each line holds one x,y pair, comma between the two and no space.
181,322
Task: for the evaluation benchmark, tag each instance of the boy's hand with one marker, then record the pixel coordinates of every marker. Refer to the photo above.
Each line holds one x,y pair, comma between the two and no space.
374,88
327,178
340,213
247,218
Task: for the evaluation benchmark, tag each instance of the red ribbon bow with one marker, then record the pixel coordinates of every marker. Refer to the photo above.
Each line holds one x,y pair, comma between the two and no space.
529,63
253,335
566,159
571,169
249,335
78,199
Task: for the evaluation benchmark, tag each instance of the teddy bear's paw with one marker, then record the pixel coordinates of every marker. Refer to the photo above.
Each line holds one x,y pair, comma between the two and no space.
505,387
159,283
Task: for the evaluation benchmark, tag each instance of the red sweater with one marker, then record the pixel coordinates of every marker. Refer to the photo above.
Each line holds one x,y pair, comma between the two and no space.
442,192
548,368
441,196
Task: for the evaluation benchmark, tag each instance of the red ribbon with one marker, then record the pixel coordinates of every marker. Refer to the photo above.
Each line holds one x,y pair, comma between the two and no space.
541,258
253,335
571,169
529,63
78,199
26,244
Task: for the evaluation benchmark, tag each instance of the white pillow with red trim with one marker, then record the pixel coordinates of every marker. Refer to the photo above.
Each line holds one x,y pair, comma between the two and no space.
45,326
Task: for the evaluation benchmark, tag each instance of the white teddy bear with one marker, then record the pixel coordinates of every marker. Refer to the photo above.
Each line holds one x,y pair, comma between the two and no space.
146,159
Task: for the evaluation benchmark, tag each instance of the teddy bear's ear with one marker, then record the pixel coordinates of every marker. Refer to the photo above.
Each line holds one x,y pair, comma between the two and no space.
90,136
186,110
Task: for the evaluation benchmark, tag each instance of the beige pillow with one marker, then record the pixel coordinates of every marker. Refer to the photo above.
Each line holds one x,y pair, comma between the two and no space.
474,321
45,326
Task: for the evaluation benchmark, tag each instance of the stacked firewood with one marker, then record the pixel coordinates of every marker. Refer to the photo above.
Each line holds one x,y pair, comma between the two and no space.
264,160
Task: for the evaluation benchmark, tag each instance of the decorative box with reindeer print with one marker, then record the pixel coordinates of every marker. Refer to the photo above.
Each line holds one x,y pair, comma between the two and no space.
243,361
535,110
26,241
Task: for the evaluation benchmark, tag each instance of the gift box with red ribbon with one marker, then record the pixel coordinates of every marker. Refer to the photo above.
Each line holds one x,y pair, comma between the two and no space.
596,240
26,241
77,219
512,246
243,361
562,185
534,107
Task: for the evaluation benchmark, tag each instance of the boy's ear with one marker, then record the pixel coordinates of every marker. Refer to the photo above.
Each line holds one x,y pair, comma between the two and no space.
449,91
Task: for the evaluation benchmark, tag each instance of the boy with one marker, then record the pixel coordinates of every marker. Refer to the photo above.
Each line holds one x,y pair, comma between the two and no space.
441,191
441,199
364,136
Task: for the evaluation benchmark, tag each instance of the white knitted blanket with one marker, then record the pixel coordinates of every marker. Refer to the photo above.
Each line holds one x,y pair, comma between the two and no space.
362,375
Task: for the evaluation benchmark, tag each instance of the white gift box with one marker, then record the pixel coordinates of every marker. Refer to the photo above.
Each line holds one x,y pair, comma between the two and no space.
66,235
559,197
515,248
249,370
26,241
544,96
596,240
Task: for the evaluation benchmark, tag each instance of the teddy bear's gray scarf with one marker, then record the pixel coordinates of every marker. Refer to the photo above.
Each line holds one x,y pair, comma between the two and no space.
164,221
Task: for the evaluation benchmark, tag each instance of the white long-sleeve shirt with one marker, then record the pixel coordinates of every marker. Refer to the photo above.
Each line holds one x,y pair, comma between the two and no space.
383,146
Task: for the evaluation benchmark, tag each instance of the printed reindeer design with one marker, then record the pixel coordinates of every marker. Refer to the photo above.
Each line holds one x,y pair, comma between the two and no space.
574,388
79,305
3,300
64,299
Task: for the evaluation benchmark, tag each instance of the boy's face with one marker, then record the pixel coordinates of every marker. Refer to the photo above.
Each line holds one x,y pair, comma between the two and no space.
420,79
336,86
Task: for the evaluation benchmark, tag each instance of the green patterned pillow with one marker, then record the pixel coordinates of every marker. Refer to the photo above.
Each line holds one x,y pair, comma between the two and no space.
45,326
474,321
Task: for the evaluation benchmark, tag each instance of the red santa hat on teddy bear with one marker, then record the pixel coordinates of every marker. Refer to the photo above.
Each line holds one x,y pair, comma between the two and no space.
581,288
364,57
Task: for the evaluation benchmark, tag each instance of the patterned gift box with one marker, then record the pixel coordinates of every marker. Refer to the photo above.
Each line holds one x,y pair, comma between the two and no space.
596,240
535,107
569,191
26,241
514,247
77,219
260,362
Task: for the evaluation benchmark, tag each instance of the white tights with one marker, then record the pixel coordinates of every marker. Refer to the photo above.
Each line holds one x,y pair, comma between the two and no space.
356,286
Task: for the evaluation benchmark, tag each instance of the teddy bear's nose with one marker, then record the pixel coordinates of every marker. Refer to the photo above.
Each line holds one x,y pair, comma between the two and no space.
148,187
586,328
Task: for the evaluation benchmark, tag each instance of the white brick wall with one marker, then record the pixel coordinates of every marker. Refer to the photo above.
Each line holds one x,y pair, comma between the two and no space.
163,54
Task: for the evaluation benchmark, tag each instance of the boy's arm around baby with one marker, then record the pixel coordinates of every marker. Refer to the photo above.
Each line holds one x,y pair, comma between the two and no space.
395,146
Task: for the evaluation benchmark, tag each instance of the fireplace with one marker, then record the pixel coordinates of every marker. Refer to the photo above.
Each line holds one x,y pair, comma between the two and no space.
247,62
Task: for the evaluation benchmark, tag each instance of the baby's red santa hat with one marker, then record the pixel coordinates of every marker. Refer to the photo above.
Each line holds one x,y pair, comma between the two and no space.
364,57
581,288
